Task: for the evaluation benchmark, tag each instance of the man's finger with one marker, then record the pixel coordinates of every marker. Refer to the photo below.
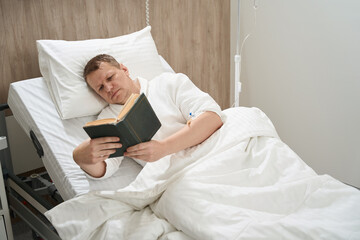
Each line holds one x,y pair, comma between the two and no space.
136,147
106,153
135,153
106,139
111,145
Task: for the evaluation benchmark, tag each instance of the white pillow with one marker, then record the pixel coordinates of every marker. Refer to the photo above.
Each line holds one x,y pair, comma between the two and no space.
62,64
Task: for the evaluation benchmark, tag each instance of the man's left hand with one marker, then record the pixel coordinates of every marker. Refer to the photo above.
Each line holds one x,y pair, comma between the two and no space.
148,151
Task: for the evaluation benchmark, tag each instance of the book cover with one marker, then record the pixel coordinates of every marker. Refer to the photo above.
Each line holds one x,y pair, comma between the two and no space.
136,123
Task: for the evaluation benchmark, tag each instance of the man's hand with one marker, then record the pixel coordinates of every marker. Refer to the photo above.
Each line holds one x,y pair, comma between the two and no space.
148,151
91,154
190,135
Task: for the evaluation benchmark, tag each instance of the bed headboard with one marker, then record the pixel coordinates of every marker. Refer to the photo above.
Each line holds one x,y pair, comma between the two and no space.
193,36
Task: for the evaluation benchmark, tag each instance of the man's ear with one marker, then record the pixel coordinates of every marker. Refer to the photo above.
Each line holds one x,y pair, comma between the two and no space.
125,69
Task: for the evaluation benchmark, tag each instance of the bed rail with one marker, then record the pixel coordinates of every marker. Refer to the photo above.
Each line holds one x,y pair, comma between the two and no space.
37,144
5,156
27,201
4,106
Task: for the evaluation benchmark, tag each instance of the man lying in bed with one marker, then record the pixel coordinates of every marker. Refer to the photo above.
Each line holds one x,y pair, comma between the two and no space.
172,96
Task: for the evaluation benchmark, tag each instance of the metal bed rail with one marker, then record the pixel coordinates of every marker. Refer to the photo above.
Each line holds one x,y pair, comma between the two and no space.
29,197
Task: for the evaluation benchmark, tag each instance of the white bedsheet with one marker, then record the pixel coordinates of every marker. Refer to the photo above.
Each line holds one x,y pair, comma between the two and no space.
34,110
241,183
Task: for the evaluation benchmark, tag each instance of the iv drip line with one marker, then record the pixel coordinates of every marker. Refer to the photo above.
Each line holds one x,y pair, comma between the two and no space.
237,57
147,13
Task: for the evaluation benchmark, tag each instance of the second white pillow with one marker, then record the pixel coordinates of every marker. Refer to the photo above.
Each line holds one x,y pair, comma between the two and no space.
62,63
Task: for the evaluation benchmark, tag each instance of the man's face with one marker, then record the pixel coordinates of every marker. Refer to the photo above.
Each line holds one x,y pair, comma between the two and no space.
112,84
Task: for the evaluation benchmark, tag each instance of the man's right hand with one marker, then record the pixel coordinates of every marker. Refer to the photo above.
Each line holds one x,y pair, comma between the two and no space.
91,154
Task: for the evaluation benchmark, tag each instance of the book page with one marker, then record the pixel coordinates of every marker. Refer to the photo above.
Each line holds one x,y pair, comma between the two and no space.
127,106
100,121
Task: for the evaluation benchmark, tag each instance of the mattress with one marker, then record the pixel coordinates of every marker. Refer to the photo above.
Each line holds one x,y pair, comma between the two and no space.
34,110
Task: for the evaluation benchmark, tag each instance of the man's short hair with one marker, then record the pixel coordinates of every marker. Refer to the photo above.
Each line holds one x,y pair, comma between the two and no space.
95,62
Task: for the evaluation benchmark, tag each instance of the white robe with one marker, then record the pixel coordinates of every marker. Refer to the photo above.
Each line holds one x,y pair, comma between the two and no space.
173,97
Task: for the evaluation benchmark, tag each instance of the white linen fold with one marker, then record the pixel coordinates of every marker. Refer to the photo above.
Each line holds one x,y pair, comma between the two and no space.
241,183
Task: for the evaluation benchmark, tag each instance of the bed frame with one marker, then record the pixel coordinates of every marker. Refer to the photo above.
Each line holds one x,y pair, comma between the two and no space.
37,22
29,197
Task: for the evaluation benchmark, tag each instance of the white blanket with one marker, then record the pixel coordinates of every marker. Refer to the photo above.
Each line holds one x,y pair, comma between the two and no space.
241,183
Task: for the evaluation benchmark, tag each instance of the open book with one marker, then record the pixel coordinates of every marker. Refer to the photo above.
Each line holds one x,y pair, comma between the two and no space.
136,123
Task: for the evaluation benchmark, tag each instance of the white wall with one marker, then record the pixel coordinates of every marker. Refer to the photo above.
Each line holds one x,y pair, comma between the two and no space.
301,66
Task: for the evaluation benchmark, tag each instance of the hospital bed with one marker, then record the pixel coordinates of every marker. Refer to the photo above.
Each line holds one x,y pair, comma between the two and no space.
54,138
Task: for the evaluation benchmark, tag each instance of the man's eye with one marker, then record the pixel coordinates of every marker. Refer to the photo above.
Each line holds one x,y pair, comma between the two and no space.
101,88
109,78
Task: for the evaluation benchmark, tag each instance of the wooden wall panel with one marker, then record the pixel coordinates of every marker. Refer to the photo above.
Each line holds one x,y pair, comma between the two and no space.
193,36
24,22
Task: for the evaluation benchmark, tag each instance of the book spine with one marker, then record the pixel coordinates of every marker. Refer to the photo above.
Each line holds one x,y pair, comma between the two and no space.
135,139
141,121
121,133
128,132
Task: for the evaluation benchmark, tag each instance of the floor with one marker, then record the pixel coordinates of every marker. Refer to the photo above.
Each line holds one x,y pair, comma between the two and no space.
21,230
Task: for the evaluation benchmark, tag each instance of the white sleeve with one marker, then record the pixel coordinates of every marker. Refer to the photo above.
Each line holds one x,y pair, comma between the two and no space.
190,99
112,165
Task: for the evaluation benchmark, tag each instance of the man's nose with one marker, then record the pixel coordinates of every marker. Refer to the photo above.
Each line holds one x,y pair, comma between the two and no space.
108,87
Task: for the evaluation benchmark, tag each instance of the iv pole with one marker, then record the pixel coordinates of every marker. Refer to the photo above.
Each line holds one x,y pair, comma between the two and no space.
237,57
237,60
